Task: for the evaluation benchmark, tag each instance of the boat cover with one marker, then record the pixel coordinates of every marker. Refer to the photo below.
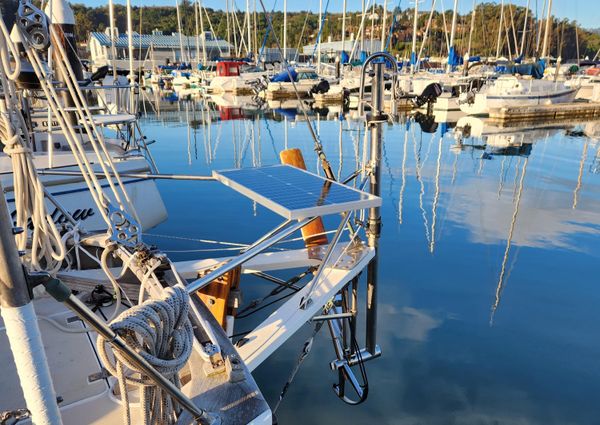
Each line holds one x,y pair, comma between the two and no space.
284,76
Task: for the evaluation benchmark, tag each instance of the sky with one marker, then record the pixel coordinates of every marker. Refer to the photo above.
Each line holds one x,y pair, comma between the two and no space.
586,12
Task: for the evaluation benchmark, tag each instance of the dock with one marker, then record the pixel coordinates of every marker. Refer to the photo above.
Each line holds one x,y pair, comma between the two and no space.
559,111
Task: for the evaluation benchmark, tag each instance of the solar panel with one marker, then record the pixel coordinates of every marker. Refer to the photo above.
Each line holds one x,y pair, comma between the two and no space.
294,193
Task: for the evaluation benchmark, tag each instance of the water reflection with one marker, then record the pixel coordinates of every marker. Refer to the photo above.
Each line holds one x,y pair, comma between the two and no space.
482,225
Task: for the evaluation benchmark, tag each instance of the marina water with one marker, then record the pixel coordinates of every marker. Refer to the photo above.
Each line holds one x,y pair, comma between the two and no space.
488,297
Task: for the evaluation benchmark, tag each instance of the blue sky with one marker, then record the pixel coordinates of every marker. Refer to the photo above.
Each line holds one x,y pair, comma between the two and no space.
586,12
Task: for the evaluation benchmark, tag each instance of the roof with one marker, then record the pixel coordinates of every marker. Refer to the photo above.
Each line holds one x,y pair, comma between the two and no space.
157,41
337,46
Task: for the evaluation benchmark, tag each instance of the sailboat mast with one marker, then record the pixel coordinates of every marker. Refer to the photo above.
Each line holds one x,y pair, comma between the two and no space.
320,35
130,45
344,27
372,27
413,53
228,31
362,28
577,43
203,33
539,29
500,30
472,27
547,29
113,50
284,30
523,36
249,28
452,34
181,55
383,26
196,12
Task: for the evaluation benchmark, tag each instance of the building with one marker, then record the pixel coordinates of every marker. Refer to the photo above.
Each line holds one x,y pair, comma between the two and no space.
332,49
154,48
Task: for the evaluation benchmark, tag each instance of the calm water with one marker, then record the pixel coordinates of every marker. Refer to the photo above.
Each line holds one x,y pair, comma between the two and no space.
488,303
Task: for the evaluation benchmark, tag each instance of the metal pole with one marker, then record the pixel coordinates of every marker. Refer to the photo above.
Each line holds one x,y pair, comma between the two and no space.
249,28
383,26
250,253
500,30
203,34
285,30
547,29
413,53
452,35
113,50
374,220
130,46
471,30
344,28
132,175
22,328
320,35
196,18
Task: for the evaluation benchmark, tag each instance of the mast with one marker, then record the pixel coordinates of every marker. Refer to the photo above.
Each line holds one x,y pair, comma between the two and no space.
539,30
452,34
196,11
514,31
130,45
372,27
228,31
472,27
413,53
547,29
182,55
577,44
22,327
524,29
319,37
249,28
500,29
383,26
113,50
362,28
203,33
284,30
344,27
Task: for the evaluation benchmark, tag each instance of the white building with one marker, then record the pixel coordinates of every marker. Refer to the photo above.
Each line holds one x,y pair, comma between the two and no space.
155,47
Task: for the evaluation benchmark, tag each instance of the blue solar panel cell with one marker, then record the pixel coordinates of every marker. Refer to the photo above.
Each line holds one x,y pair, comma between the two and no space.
295,193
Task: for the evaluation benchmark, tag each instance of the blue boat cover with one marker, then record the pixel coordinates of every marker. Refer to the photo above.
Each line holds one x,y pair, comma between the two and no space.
344,57
536,70
284,76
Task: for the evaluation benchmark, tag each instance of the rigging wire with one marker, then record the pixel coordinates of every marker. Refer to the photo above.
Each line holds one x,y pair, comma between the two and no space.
318,147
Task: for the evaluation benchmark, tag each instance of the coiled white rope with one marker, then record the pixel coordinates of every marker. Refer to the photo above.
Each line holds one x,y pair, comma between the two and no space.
47,245
161,332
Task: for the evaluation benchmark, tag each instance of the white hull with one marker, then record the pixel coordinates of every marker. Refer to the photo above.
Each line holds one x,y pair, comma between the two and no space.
234,84
483,102
73,194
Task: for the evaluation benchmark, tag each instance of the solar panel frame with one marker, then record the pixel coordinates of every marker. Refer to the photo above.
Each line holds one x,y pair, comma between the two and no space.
237,179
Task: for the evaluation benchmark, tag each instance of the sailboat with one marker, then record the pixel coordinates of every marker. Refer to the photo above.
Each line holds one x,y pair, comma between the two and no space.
100,327
507,91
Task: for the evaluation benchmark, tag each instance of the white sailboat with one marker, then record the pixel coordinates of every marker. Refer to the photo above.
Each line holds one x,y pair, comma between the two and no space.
152,339
509,91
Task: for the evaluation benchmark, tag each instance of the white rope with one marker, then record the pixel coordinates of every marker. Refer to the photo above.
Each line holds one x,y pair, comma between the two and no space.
47,246
161,332
85,118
